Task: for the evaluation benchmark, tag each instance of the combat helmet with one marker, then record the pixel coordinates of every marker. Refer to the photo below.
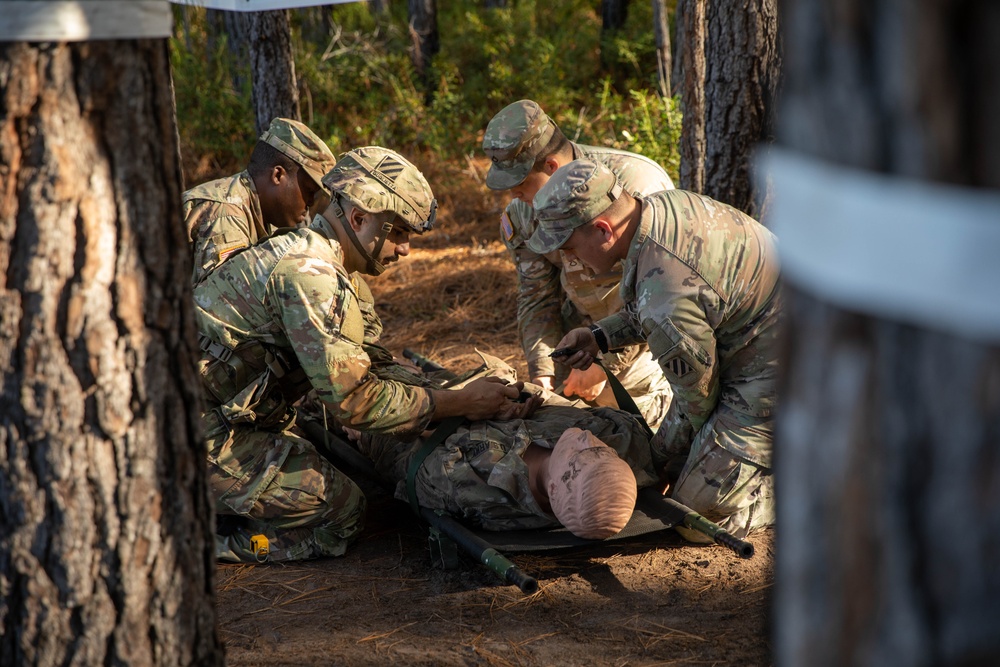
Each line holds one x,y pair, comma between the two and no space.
376,179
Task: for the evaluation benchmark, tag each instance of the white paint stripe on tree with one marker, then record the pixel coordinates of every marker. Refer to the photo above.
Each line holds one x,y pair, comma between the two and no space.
915,251
258,5
83,20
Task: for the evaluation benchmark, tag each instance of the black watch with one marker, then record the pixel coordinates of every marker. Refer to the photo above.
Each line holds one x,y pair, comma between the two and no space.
602,340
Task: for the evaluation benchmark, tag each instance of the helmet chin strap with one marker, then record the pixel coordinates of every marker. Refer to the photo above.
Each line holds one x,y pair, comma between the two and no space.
372,266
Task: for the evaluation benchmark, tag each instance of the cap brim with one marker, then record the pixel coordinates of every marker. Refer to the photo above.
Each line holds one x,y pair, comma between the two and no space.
317,178
505,179
542,244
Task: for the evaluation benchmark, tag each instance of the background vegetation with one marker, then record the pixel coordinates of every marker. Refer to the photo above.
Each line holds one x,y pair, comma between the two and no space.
358,86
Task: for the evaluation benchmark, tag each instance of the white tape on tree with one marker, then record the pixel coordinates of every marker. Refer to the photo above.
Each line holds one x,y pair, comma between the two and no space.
914,251
258,5
83,20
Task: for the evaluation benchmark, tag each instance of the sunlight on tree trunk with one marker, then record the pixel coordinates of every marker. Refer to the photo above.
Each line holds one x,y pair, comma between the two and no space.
272,68
106,554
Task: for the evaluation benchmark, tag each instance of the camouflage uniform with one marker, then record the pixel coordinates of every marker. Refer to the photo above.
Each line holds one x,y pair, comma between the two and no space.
701,287
478,473
224,216
275,320
556,293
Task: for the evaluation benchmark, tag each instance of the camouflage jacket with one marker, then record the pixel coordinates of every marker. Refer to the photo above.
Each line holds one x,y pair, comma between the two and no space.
544,283
291,292
700,285
223,217
478,473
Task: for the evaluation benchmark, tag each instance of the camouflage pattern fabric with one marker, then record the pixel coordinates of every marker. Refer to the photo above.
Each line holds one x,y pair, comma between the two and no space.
478,473
701,287
223,217
556,292
291,293
302,146
513,139
279,486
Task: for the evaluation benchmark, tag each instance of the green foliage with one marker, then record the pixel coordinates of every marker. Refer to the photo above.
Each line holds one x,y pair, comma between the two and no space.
358,86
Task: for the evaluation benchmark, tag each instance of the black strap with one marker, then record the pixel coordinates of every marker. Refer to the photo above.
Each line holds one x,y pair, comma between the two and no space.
440,434
624,399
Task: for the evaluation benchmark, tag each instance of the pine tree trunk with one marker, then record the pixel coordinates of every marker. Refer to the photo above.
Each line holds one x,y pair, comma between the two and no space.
424,36
691,22
105,541
661,32
272,67
888,438
741,81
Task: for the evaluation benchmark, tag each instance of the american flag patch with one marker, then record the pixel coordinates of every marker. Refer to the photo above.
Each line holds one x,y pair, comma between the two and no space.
227,250
506,228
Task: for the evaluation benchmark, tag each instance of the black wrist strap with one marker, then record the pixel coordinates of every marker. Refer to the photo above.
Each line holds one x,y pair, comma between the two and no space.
600,337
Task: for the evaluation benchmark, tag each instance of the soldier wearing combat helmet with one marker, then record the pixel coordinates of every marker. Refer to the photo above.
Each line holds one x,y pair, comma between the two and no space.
281,184
701,287
556,293
284,316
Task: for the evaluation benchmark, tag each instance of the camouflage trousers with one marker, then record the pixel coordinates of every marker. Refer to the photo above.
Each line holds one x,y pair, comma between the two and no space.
721,486
277,484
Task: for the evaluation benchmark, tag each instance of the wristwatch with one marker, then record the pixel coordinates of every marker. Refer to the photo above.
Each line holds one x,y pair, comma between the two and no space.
602,340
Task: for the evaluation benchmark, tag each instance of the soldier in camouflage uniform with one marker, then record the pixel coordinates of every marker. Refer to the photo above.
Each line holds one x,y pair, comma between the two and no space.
556,293
282,317
485,472
281,183
700,285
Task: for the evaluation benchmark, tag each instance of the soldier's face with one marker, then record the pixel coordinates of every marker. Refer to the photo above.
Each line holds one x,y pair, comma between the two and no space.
529,187
287,202
590,245
396,245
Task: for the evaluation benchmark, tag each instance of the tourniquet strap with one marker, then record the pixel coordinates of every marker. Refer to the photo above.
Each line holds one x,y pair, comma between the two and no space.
624,399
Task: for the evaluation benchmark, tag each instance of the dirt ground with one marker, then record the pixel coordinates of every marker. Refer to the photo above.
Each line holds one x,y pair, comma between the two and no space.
652,600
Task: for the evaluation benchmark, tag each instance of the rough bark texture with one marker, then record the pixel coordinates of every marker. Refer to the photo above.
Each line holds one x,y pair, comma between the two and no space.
691,22
888,441
424,36
378,7
661,30
105,536
741,81
272,68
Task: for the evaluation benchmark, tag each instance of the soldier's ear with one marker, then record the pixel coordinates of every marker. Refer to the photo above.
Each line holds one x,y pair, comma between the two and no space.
604,228
551,165
277,173
357,218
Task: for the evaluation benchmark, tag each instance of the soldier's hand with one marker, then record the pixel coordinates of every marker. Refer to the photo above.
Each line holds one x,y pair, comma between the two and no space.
587,384
544,381
581,340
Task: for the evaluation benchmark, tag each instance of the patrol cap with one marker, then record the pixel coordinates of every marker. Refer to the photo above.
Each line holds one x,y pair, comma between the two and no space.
575,194
513,140
591,490
377,179
302,146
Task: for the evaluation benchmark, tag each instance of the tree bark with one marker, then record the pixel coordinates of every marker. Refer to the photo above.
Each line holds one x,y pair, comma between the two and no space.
741,82
424,37
272,67
378,7
888,435
691,22
613,15
661,31
106,548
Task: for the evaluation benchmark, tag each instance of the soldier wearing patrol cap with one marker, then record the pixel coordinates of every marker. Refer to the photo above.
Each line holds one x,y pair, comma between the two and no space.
282,182
701,287
556,293
284,316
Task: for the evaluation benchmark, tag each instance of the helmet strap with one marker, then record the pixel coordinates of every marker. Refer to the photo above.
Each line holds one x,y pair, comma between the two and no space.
372,266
